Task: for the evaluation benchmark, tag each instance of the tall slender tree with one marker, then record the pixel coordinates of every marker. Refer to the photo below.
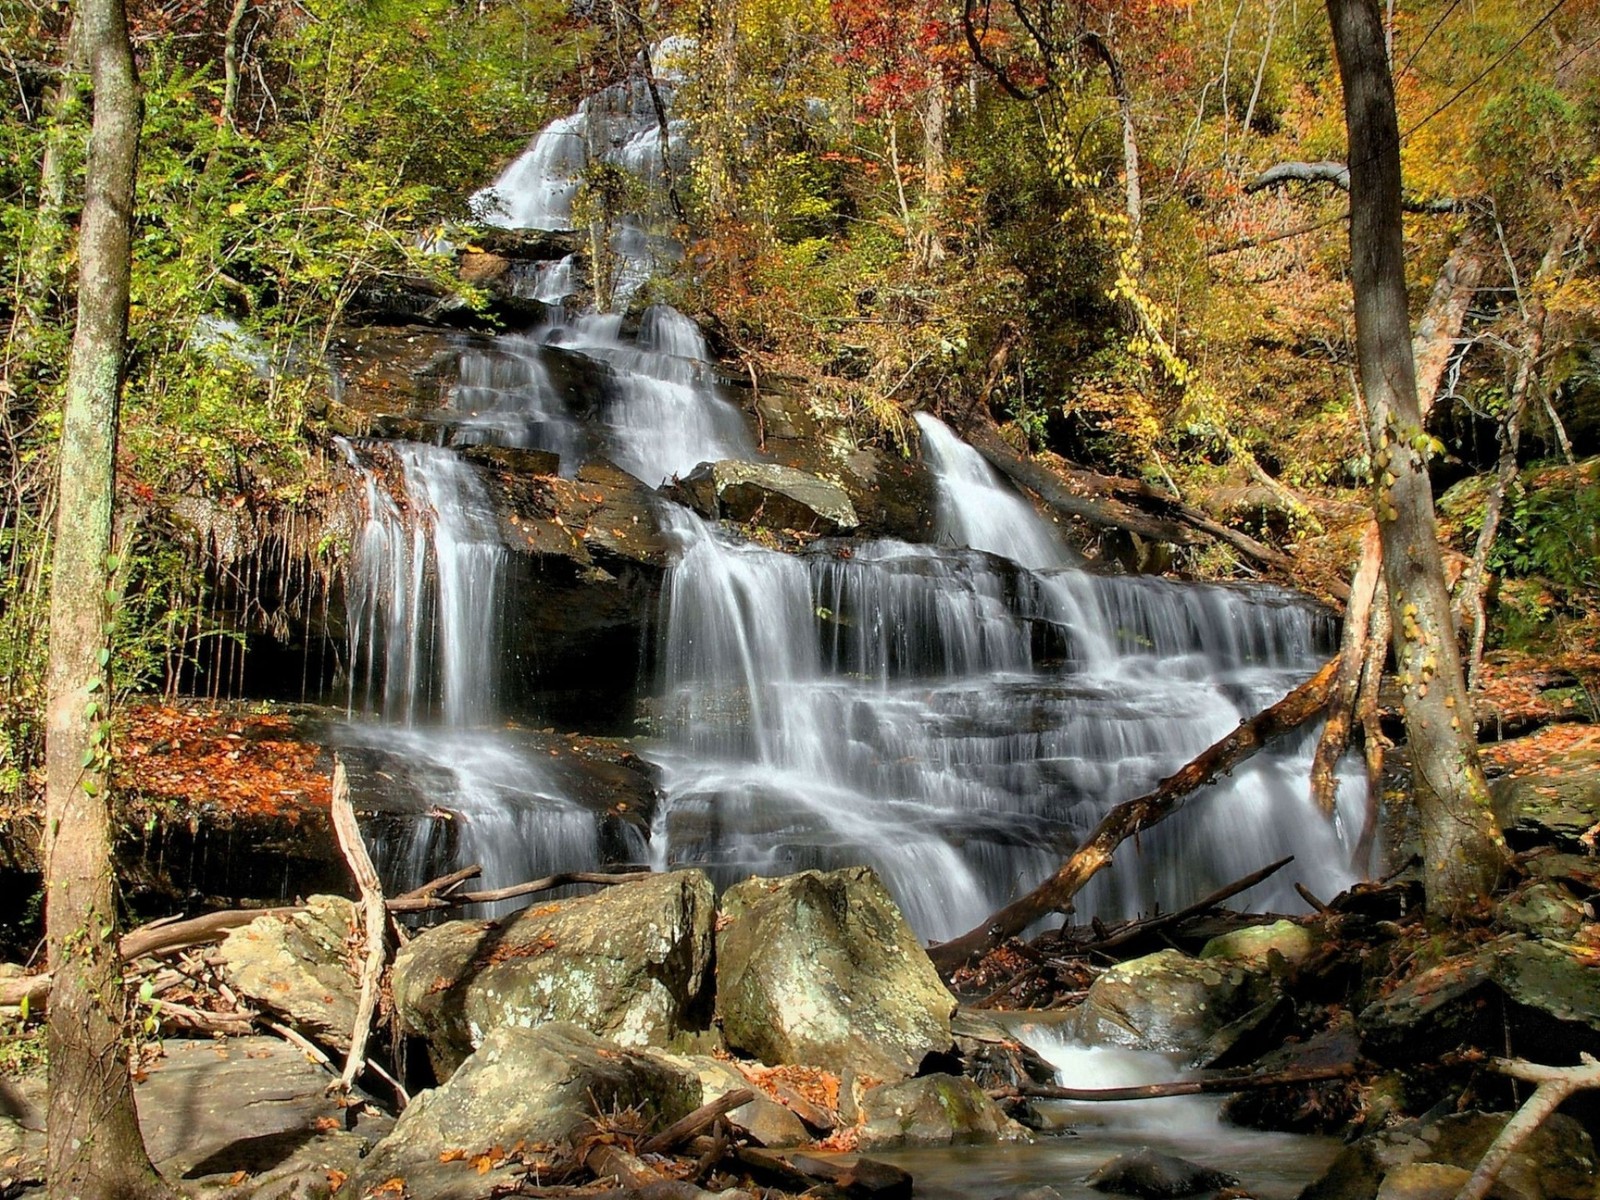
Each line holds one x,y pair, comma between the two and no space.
95,1151
1463,850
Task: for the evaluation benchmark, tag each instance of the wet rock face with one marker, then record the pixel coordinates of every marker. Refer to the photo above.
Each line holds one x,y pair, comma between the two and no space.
1555,805
821,969
298,968
1150,1173
1169,1001
933,1110
767,495
540,1085
1556,1163
628,963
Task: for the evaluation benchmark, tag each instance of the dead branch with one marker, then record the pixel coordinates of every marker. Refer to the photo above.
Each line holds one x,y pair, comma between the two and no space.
1337,174
375,919
406,904
445,884
686,1128
1133,929
1554,1085
1133,816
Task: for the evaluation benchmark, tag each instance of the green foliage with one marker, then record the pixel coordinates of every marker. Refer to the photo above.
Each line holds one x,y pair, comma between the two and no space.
1553,532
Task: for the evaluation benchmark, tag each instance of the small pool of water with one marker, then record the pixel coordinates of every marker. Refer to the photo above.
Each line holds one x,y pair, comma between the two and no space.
1270,1166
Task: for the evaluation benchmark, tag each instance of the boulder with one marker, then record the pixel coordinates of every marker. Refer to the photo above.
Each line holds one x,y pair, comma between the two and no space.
1169,1001
767,495
628,963
1147,1172
933,1110
1424,1181
1554,979
299,967
537,1087
764,1119
1558,803
1556,1163
1257,943
820,969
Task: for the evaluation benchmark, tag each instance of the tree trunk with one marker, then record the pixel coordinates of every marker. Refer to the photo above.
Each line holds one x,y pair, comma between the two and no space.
1133,199
1352,656
1464,853
935,117
94,1144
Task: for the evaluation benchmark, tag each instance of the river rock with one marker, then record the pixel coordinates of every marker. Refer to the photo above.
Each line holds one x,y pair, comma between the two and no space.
1146,1172
1543,908
299,967
628,963
764,1119
1557,803
534,1086
768,495
1556,1163
933,1110
1257,943
1169,1001
821,969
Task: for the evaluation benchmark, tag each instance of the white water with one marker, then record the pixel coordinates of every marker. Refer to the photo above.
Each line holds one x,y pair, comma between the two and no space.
978,509
1098,1067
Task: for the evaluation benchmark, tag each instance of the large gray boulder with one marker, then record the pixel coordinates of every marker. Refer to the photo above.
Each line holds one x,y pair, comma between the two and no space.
820,969
535,1087
768,495
933,1110
628,963
298,967
1169,1001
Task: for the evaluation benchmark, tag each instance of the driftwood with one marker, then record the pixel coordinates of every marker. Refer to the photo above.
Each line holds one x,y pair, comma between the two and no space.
1554,1085
865,1178
374,919
1205,1085
1133,816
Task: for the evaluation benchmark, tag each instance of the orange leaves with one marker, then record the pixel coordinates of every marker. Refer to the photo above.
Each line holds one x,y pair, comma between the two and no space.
248,765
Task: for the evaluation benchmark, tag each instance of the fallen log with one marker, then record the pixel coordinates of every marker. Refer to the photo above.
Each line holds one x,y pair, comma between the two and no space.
1117,937
865,1178
1204,1086
1055,894
406,904
1552,1087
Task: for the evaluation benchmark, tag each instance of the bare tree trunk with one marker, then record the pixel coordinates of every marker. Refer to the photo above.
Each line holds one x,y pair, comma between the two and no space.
1533,319
94,1144
1133,199
1463,851
1352,656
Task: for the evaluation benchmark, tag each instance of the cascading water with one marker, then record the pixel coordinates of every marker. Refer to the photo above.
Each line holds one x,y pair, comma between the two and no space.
956,715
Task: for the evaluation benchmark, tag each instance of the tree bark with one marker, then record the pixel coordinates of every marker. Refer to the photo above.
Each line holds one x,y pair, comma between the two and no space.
1464,852
94,1149
1133,816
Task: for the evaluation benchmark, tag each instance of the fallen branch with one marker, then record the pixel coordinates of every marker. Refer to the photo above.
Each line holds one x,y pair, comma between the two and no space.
1133,816
1204,1086
443,884
375,920
1554,1085
405,904
686,1128
1133,929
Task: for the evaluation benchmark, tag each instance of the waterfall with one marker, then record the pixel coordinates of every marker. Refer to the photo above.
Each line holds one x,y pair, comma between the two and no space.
977,509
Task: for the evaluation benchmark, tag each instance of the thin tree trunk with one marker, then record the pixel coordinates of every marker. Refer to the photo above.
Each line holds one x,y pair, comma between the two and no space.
1133,199
230,60
935,116
1463,850
1352,655
94,1147
1510,443
1132,817
1373,743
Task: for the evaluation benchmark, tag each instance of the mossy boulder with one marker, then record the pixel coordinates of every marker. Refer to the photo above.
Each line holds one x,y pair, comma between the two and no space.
933,1110
535,1087
629,963
1169,1001
821,969
1258,943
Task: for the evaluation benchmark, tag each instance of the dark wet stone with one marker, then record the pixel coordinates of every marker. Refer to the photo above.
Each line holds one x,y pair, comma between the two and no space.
1158,1176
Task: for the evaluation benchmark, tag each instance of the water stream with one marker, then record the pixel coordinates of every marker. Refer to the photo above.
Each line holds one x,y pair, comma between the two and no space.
956,714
